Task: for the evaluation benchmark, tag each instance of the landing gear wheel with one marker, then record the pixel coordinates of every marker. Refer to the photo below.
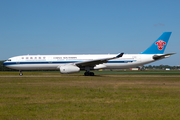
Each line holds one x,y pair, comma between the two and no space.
91,74
20,74
88,74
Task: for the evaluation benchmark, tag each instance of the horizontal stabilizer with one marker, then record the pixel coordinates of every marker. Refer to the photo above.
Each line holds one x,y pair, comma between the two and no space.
157,57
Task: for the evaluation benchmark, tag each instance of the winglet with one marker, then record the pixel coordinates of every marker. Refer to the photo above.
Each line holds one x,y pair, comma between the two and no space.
119,55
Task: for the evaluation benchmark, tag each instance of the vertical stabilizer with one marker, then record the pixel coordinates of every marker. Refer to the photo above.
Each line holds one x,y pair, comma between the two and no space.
159,45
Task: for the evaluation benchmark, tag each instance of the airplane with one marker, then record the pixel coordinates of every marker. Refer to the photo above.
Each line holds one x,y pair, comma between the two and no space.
74,63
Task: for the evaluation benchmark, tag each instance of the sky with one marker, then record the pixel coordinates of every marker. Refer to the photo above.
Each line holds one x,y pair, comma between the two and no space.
50,27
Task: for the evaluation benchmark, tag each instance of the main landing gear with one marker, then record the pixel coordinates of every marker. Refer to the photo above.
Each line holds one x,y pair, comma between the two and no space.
87,73
20,73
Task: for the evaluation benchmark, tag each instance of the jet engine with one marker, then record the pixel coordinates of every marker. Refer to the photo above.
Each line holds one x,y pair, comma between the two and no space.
69,69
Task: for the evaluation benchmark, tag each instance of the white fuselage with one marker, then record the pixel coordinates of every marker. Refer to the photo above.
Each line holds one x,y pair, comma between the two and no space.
54,62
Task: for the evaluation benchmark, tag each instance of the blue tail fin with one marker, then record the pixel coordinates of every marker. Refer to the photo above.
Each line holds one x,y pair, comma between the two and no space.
159,45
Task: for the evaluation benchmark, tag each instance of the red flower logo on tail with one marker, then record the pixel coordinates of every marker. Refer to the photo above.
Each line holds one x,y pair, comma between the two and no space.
160,44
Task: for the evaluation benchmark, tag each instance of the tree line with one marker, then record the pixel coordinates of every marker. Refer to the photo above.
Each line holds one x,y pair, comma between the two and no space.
161,67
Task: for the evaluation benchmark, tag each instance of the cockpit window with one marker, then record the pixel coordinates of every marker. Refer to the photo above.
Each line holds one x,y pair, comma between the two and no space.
9,60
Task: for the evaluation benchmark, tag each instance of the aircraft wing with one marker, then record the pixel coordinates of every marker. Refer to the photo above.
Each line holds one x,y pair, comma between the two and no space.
97,61
157,57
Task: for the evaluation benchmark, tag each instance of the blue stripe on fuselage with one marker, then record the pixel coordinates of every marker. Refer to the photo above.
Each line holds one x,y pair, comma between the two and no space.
56,62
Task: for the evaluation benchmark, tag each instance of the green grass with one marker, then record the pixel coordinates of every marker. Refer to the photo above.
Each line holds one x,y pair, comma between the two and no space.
90,98
149,72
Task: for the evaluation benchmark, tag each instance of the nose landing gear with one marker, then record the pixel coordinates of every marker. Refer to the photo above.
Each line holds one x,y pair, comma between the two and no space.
20,73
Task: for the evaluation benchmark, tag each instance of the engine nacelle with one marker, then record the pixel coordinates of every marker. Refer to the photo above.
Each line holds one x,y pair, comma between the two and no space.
101,66
69,69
